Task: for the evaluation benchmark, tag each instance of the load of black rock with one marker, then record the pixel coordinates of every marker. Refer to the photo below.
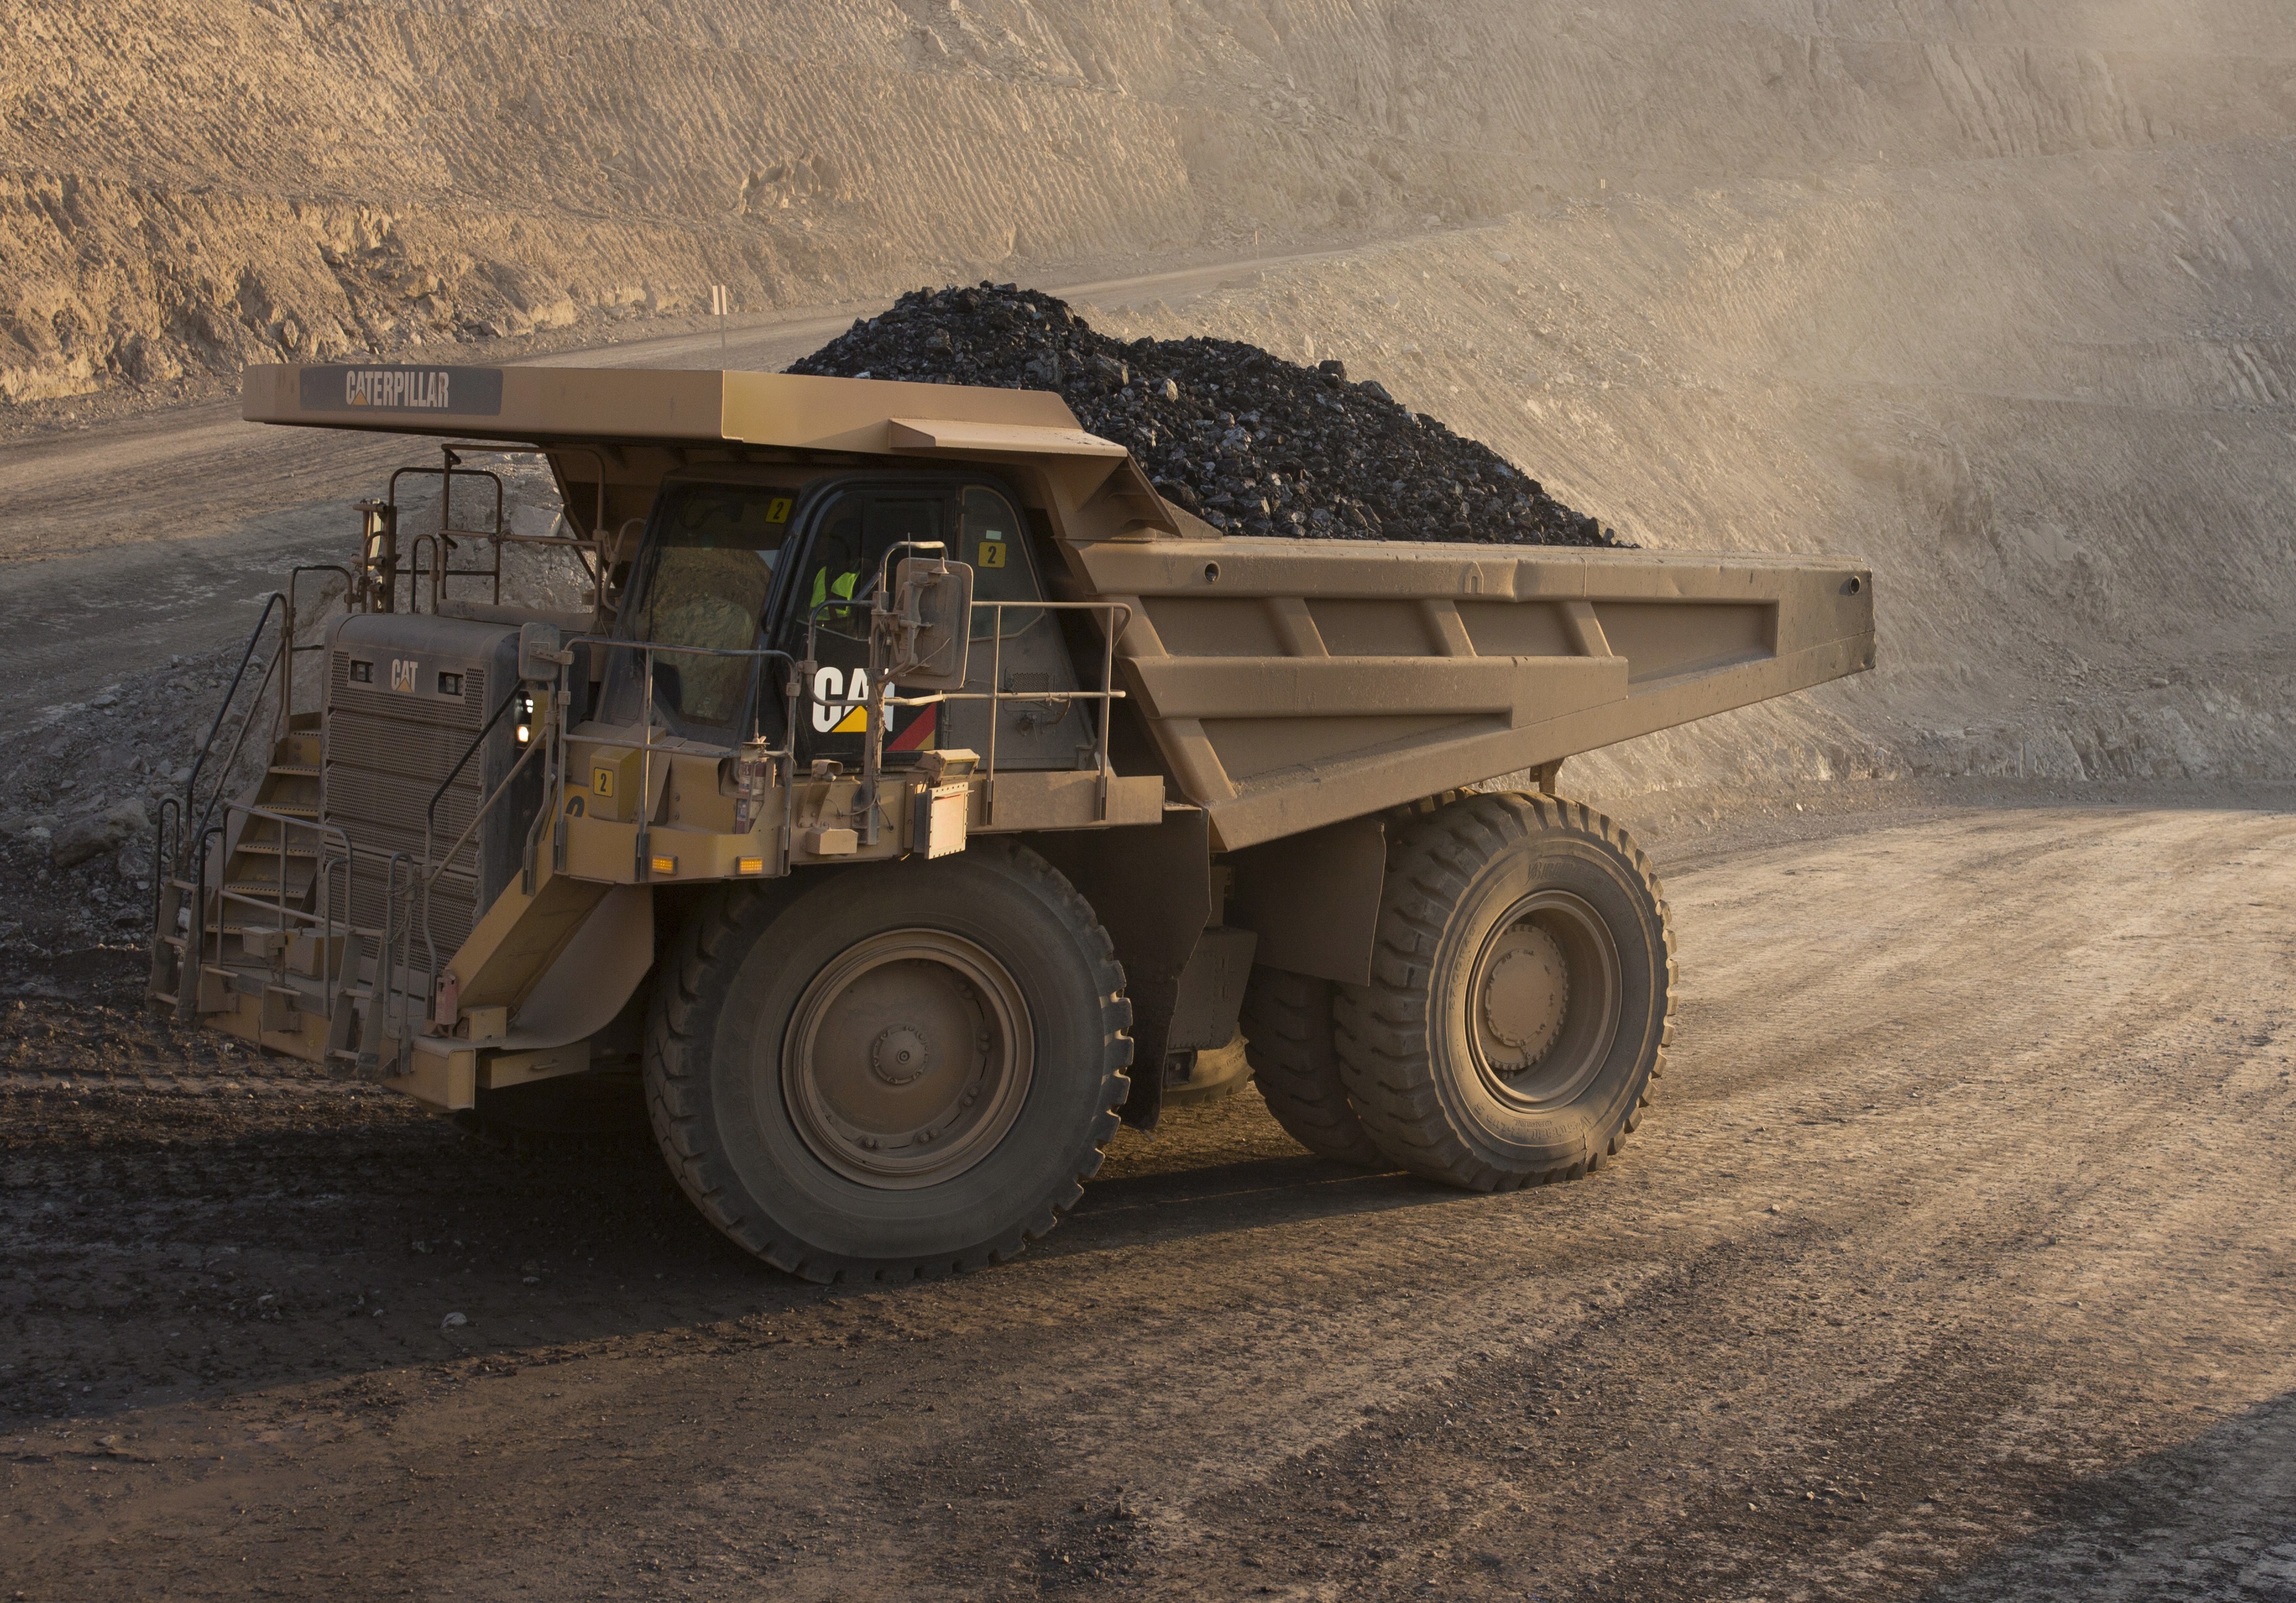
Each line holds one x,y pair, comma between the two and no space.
1246,441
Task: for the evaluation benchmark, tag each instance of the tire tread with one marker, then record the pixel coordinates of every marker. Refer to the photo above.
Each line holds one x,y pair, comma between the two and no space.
1381,1028
697,971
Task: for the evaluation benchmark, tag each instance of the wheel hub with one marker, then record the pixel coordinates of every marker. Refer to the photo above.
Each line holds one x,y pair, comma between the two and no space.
1542,1000
908,1058
1525,995
900,1054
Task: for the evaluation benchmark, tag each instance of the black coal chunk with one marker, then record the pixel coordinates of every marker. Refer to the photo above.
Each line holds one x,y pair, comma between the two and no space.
1243,440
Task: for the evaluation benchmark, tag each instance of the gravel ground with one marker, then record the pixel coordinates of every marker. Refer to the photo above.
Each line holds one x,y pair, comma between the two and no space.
82,780
78,796
1955,1261
1243,438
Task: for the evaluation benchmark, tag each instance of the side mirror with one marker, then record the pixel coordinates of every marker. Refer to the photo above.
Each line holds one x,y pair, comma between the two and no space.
918,637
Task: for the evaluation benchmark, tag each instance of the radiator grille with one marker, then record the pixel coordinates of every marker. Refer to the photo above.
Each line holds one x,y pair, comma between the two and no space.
465,712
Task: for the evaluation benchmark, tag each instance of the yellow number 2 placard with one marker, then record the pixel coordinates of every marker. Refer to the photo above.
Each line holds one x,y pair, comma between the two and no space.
992,553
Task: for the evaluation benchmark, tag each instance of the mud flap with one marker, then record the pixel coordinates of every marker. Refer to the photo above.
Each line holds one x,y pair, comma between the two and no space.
1152,889
1313,899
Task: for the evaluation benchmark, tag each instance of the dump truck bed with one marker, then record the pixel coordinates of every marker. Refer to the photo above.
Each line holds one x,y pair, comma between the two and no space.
1293,683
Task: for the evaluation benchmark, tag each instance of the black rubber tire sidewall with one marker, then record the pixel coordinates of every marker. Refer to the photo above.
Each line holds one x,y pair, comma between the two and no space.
1287,1032
1011,1191
1523,1141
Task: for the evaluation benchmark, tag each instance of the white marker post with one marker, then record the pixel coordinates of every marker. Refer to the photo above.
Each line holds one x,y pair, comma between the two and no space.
718,302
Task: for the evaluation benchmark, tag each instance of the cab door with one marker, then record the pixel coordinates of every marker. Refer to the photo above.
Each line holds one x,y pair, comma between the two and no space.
846,536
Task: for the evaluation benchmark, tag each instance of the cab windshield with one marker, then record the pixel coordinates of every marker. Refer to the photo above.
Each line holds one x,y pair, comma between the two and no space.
709,567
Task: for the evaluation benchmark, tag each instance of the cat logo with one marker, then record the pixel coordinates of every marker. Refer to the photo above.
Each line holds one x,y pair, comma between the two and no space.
400,388
839,705
402,673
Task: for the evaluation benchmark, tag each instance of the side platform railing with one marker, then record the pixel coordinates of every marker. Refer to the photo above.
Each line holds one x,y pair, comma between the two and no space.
207,839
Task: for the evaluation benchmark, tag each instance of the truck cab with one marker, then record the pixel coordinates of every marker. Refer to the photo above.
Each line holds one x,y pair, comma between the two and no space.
734,558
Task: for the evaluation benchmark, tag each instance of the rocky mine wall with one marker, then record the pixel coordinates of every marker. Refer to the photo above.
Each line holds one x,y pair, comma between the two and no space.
2048,401
1995,297
187,186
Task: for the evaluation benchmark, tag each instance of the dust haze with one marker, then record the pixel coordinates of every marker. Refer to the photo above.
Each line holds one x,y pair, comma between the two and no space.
1953,1259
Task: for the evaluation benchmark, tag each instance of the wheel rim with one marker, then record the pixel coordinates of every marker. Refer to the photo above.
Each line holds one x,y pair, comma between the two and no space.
908,1058
1543,1001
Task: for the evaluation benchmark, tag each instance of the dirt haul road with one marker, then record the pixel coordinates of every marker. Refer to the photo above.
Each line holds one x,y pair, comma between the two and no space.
1955,1260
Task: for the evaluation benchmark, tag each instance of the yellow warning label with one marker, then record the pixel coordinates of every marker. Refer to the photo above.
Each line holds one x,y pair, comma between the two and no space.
777,509
992,553
602,780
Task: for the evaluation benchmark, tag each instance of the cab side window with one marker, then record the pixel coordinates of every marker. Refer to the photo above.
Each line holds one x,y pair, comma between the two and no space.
856,532
995,541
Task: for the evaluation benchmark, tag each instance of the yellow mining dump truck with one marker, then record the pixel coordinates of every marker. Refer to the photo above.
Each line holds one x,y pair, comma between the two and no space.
920,795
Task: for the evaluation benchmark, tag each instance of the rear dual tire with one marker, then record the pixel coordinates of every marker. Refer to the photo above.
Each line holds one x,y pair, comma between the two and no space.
1520,1004
1521,997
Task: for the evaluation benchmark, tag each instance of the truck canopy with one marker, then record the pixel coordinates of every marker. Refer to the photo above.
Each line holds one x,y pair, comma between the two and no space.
550,408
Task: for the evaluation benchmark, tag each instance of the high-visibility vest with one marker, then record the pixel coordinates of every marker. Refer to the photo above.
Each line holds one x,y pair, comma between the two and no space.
842,589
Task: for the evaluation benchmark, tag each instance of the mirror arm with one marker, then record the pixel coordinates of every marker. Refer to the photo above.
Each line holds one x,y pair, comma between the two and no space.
885,562
872,757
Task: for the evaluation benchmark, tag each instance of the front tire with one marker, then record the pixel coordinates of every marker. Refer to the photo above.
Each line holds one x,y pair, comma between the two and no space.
1521,997
898,1069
